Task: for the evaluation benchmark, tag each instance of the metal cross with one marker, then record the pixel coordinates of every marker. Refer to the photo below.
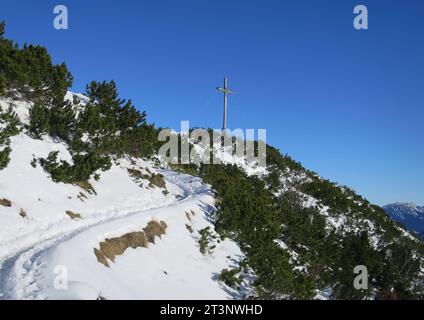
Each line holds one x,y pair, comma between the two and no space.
226,91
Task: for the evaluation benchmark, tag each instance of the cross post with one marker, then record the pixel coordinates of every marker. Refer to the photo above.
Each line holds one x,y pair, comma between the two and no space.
226,91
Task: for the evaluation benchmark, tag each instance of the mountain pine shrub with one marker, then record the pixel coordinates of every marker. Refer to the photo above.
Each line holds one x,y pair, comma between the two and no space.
106,127
9,126
315,255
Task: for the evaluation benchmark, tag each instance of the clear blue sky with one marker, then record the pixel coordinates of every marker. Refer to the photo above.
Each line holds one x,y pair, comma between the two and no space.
347,104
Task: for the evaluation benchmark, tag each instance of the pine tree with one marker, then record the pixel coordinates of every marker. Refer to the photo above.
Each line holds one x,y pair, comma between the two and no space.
3,54
2,85
39,120
62,121
30,71
2,27
9,126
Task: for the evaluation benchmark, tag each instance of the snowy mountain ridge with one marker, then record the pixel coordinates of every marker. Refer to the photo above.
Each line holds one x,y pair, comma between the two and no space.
47,225
401,208
409,214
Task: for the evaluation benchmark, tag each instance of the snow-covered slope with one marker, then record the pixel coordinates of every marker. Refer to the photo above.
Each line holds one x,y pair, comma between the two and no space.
48,225
88,241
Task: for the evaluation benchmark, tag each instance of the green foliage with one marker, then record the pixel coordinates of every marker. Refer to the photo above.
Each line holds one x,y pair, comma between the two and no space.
2,26
34,163
230,277
4,157
114,125
57,121
355,249
329,193
29,70
30,73
106,127
275,277
253,212
2,85
275,159
247,213
39,123
84,166
206,237
62,121
9,126
402,263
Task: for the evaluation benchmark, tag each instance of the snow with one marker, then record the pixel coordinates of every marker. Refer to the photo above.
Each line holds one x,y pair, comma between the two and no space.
224,155
46,202
70,97
404,210
32,247
172,268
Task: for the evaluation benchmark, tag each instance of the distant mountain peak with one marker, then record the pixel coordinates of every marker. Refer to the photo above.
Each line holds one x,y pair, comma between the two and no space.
402,207
409,214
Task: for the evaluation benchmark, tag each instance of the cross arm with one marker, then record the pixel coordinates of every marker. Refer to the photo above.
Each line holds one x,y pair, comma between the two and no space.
224,90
